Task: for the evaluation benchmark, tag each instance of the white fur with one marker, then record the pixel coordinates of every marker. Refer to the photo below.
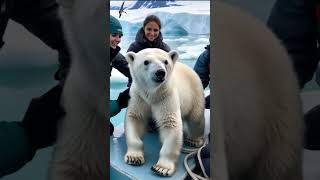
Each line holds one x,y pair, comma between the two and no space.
257,110
179,97
81,149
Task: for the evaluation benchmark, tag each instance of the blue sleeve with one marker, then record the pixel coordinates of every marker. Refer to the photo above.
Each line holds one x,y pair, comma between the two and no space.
15,148
294,23
202,68
114,108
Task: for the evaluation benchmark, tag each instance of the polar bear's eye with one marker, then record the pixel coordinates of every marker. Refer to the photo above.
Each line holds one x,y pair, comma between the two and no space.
146,62
166,62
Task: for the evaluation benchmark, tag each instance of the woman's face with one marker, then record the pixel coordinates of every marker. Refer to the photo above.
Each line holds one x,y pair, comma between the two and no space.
115,39
151,31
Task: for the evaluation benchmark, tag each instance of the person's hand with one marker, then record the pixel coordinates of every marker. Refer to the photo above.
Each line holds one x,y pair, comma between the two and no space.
123,98
42,117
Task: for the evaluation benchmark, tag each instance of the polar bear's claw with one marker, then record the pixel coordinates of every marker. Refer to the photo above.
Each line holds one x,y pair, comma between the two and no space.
134,159
162,170
158,172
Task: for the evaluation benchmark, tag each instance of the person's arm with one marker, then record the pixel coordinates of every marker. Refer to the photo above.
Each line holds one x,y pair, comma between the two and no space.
121,64
294,23
114,108
120,103
15,148
202,68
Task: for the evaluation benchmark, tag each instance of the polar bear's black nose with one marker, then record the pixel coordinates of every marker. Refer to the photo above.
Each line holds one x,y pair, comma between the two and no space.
160,74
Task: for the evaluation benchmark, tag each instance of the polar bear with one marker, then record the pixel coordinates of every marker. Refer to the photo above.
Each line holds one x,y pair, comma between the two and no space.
81,150
167,91
257,114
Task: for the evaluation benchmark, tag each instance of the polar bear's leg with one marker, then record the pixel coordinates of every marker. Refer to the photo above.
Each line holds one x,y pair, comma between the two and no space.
81,150
195,128
133,126
170,150
170,124
134,130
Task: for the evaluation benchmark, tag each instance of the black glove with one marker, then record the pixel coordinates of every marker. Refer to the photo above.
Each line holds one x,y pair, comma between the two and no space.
42,116
123,98
207,102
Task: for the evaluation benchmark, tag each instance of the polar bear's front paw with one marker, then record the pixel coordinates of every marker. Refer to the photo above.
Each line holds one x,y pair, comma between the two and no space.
194,142
164,168
134,158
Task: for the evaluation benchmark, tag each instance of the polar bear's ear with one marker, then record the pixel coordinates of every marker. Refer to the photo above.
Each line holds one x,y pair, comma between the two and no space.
130,57
174,55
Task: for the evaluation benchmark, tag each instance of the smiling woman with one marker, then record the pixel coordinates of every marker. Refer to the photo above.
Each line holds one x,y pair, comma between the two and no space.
151,27
115,32
149,36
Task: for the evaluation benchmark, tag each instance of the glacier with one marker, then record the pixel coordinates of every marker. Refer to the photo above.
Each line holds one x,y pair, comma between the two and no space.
174,24
178,17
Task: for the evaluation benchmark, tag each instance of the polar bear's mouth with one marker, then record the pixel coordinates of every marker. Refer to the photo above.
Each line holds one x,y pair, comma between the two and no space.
158,80
159,76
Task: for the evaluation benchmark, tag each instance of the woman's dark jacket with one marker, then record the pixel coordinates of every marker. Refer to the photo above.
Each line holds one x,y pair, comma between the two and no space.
141,42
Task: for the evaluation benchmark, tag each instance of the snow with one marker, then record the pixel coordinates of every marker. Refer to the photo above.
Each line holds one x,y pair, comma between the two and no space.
117,77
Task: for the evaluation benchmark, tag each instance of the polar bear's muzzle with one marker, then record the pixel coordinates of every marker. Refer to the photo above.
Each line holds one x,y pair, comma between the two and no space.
159,76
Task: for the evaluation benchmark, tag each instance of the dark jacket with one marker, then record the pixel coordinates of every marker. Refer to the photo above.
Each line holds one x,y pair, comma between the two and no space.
295,23
119,62
114,52
141,42
202,66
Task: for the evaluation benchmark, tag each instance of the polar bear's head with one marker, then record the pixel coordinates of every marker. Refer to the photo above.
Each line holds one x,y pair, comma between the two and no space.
152,66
